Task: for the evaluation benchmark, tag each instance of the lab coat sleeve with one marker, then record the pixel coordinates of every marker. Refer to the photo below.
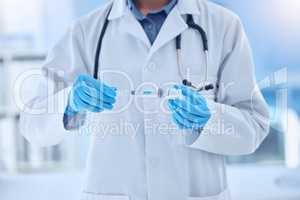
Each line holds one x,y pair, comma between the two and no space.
240,118
42,119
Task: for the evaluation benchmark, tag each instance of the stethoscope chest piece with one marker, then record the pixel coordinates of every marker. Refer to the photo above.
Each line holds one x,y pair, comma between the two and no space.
207,87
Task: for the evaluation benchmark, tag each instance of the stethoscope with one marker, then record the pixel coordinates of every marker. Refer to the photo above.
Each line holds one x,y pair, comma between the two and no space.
191,24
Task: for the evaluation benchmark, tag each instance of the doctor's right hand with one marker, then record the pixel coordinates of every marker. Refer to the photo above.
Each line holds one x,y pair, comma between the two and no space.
89,94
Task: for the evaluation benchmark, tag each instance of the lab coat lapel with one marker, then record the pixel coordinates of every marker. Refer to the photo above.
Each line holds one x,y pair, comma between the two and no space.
130,25
126,22
173,26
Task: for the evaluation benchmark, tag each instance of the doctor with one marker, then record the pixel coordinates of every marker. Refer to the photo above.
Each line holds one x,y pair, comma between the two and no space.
140,150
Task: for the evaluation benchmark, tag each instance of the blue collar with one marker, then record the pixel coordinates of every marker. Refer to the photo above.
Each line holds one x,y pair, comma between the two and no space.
139,15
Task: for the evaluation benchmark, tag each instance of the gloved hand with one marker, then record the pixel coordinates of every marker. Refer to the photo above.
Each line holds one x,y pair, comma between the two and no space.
89,94
190,112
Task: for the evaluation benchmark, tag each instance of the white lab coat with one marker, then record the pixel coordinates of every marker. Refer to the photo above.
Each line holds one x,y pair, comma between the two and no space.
132,155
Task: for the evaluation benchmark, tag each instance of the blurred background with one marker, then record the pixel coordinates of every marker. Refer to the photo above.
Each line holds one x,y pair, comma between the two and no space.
29,27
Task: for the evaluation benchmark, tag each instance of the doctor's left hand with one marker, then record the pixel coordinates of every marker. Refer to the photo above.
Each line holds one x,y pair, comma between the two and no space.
191,112
89,94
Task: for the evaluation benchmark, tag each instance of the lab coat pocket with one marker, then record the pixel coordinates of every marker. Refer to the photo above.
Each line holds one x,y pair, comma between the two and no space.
96,196
225,195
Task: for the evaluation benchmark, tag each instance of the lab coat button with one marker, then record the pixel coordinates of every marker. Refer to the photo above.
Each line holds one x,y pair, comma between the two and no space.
153,162
151,66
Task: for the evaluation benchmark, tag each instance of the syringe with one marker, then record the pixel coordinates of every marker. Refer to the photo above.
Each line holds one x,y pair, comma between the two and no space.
166,93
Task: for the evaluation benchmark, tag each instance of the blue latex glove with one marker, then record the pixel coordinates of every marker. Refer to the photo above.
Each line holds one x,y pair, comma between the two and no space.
191,112
89,94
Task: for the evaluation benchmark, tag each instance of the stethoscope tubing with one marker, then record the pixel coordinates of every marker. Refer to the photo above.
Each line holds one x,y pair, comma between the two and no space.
99,45
191,24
